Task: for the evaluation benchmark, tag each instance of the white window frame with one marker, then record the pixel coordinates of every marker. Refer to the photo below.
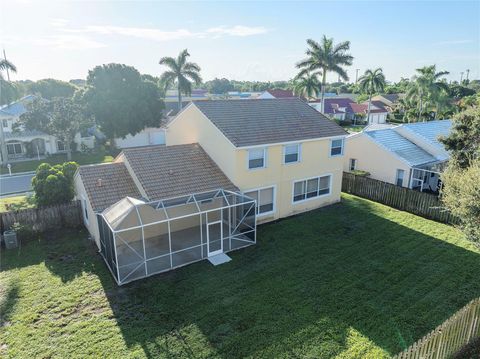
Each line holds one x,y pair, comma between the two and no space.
264,158
14,150
354,162
330,177
58,149
85,210
397,178
331,147
299,153
274,207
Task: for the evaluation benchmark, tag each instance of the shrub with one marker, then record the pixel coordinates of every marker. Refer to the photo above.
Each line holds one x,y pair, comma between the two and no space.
360,173
54,184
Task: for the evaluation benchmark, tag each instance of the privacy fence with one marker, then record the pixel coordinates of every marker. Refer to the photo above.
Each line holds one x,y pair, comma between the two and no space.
449,337
44,218
422,204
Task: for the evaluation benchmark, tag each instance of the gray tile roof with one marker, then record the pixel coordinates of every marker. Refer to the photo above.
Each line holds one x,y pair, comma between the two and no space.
258,122
24,134
116,183
170,171
402,147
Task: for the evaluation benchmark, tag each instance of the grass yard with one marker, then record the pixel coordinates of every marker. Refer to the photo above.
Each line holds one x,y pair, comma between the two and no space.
80,158
356,279
16,203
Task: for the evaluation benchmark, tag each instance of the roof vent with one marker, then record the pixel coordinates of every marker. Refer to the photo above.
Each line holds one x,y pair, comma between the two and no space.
99,182
170,172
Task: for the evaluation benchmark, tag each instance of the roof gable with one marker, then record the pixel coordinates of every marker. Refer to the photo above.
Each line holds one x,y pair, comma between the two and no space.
268,121
431,131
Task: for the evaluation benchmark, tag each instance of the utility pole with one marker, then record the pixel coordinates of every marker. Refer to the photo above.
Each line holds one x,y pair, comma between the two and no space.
461,77
5,57
468,71
356,75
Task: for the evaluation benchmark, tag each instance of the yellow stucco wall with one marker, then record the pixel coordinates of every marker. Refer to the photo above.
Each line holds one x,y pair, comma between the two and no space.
92,225
192,126
372,158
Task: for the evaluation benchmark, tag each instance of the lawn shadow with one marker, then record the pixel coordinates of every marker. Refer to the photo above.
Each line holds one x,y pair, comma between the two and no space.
308,284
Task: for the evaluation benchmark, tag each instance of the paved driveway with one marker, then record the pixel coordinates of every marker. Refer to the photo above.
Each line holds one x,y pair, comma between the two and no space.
16,183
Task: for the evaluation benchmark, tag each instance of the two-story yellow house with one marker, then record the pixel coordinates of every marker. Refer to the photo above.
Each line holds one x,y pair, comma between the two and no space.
226,166
280,152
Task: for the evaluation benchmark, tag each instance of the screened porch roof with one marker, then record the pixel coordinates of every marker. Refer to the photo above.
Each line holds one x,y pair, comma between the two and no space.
130,213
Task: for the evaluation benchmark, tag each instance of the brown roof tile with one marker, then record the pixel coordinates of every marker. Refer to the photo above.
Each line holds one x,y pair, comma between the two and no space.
170,171
106,184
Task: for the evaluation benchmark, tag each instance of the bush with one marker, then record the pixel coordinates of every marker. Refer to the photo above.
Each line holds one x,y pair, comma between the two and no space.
345,122
54,184
360,173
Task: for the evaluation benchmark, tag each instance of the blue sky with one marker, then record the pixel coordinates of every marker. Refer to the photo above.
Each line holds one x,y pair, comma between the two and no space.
237,40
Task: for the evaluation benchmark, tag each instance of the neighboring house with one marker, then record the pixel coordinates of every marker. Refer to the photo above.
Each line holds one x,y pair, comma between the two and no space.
345,109
146,137
276,93
408,155
197,94
226,165
389,101
25,144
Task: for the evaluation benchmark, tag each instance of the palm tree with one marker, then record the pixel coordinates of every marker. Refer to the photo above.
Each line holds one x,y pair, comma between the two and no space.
326,57
307,85
370,83
426,86
181,73
6,65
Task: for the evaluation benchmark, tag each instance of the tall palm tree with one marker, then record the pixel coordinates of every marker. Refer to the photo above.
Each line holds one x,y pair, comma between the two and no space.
326,57
426,86
6,65
181,73
307,85
370,83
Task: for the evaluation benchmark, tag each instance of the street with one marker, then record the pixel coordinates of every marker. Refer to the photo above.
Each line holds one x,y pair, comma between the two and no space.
16,183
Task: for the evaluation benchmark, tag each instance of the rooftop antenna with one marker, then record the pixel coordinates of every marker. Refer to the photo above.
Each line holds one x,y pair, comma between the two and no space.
5,57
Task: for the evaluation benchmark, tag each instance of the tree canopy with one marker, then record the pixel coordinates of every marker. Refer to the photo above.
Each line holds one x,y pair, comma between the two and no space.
121,101
307,85
219,86
50,88
54,184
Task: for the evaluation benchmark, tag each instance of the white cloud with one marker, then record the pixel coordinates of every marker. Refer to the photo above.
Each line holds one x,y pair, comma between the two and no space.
155,34
237,30
70,42
58,22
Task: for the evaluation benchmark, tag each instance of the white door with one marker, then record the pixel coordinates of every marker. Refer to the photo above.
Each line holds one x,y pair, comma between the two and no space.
214,238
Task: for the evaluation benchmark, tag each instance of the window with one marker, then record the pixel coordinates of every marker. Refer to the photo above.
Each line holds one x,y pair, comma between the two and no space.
291,153
60,146
265,199
336,147
85,211
353,164
14,148
256,158
311,188
4,123
399,179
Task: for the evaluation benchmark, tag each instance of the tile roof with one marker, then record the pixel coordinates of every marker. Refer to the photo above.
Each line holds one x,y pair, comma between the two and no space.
267,121
16,108
24,134
279,93
402,147
431,131
116,183
392,97
170,171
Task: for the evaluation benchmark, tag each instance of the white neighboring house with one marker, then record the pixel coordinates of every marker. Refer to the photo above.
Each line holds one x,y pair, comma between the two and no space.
30,144
146,137
408,155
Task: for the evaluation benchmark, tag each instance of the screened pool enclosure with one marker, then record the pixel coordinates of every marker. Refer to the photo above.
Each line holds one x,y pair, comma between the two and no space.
139,239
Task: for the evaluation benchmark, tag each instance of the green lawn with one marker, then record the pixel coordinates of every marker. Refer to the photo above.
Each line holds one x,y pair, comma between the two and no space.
16,203
356,279
80,158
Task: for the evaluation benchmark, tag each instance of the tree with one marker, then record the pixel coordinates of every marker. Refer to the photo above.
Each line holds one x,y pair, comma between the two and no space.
180,74
120,101
307,85
54,185
463,142
60,117
326,57
426,86
372,82
6,65
50,88
219,86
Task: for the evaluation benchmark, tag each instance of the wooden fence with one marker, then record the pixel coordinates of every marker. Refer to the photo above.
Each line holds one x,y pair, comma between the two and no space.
419,203
45,218
449,337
